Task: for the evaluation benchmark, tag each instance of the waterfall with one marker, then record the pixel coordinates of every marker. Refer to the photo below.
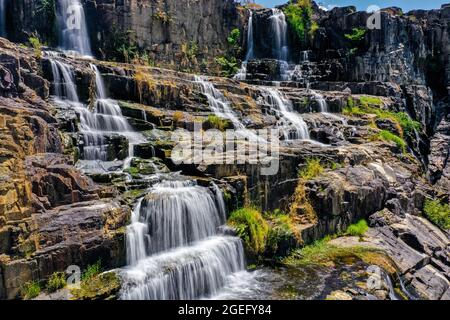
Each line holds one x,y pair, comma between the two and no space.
72,23
174,250
2,18
95,126
185,273
279,30
304,56
249,54
242,72
64,81
221,107
290,122
323,106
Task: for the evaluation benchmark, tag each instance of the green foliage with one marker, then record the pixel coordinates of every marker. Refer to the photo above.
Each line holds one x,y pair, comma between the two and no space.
30,290
46,9
358,229
228,65
299,17
121,45
56,281
92,271
323,253
372,105
282,230
252,228
405,121
390,137
102,286
234,36
133,171
190,50
357,34
36,45
217,122
312,169
438,213
162,16
370,100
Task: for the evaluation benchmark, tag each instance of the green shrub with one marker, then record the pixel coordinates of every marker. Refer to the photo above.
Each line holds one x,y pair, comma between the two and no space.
234,36
36,45
30,290
282,230
408,125
252,228
91,271
389,136
358,229
228,65
312,169
299,17
357,34
56,281
438,213
103,286
372,105
217,122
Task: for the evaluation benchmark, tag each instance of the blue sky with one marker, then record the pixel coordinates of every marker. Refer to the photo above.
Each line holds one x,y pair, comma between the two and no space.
363,4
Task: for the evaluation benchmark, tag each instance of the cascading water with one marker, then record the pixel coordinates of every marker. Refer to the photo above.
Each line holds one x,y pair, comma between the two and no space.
72,23
323,106
107,118
242,72
249,54
2,18
221,107
95,126
291,123
279,30
174,250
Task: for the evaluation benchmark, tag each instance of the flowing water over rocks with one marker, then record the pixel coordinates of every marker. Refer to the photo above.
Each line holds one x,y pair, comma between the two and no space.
174,248
73,27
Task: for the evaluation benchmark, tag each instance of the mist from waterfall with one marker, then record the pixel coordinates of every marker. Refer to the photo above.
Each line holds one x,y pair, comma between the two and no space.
73,27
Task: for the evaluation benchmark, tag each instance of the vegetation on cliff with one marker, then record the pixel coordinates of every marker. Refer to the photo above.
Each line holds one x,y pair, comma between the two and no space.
252,228
300,17
229,62
438,213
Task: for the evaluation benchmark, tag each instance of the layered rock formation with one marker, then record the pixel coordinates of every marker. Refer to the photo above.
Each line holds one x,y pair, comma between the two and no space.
185,35
52,215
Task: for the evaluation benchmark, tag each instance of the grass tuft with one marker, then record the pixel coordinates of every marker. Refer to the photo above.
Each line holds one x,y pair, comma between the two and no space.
388,136
358,229
312,169
56,281
92,271
217,122
251,227
30,290
438,213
